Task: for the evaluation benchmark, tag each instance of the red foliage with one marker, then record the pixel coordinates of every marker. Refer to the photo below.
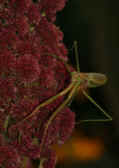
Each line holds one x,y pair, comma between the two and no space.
9,157
29,75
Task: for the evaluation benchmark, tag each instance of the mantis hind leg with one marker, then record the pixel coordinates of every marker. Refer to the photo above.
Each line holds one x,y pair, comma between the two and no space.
66,101
109,118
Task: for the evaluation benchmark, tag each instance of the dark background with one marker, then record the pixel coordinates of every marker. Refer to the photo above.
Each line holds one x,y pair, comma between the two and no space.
94,24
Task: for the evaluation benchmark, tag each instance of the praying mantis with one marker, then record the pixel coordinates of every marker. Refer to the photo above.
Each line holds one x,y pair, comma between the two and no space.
91,80
78,79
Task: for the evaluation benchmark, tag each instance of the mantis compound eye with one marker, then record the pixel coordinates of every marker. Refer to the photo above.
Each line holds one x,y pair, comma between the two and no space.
96,79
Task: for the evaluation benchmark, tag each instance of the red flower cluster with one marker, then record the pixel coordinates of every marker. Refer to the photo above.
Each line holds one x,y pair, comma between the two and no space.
29,75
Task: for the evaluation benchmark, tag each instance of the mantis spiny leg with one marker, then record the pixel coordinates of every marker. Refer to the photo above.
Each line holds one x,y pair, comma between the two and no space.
61,60
50,100
63,92
77,68
109,118
76,56
59,109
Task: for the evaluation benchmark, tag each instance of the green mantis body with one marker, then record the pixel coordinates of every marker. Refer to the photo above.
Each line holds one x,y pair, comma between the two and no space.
77,81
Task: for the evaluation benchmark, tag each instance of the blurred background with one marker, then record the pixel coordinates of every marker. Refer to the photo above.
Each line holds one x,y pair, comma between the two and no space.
94,24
